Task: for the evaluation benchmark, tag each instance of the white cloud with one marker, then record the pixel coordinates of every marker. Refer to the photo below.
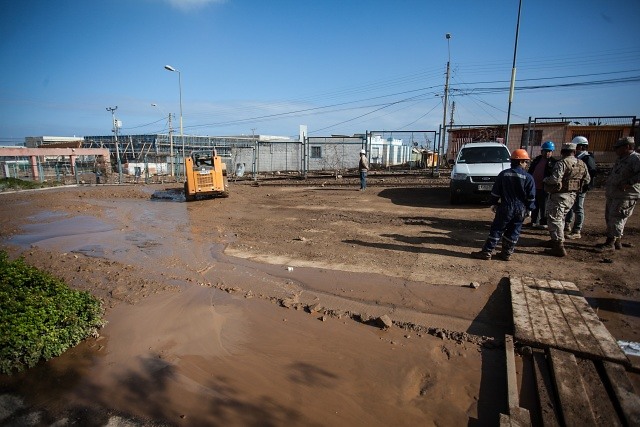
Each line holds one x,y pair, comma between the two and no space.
189,5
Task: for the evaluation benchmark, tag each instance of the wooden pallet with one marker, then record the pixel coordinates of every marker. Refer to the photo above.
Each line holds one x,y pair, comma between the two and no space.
578,366
551,313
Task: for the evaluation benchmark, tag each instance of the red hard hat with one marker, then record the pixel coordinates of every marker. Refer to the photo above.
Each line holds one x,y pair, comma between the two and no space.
520,154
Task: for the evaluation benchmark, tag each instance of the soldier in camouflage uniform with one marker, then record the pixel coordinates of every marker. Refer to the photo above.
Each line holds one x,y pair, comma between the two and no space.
622,190
569,176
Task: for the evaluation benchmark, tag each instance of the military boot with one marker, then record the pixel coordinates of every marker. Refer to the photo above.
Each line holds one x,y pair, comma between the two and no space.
546,244
618,243
557,249
608,245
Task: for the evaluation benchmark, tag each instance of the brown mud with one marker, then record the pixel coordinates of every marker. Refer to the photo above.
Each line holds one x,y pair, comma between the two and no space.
263,308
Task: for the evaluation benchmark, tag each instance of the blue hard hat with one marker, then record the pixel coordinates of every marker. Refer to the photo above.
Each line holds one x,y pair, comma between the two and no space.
549,145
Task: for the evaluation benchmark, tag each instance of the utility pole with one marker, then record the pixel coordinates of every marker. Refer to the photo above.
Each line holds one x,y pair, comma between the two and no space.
172,173
446,100
513,75
114,122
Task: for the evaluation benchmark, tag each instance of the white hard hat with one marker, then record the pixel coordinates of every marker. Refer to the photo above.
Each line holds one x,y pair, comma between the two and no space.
363,152
580,140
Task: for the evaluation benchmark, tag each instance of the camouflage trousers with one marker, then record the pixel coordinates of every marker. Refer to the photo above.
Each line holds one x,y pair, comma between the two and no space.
557,207
616,214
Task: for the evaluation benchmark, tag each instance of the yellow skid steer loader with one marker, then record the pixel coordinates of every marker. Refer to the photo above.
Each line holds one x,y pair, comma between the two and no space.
206,175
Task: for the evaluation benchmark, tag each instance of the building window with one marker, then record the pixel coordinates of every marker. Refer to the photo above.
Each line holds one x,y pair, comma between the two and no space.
316,152
534,140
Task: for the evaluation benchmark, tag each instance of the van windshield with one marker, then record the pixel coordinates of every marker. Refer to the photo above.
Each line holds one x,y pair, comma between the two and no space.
484,155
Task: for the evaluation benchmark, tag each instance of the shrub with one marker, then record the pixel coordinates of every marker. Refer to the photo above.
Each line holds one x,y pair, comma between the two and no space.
40,316
20,184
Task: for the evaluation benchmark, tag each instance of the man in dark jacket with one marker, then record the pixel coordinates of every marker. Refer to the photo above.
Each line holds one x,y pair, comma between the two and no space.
577,210
514,190
541,168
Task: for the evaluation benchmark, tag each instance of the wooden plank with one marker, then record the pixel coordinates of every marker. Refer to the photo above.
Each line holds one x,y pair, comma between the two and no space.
538,316
574,402
523,330
544,384
512,378
602,407
609,348
627,399
583,341
513,421
555,313
557,323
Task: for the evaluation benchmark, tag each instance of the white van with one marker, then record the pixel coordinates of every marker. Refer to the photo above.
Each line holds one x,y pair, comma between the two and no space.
476,168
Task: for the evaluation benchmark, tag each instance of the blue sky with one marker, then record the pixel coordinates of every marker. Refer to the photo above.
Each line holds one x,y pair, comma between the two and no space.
337,66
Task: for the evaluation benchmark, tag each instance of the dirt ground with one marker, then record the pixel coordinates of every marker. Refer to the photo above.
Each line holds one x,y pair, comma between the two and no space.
263,308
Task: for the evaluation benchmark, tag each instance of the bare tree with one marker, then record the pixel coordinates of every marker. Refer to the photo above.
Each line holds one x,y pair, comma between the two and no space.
331,160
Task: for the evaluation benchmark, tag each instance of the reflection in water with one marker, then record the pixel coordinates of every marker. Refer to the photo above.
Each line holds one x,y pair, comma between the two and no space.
79,225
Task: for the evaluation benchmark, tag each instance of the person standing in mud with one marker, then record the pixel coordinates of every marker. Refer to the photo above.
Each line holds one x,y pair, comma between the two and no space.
513,197
575,217
540,168
622,191
363,167
569,176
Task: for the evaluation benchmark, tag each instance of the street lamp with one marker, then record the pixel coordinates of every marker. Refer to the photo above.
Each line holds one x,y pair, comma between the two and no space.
170,139
443,133
170,68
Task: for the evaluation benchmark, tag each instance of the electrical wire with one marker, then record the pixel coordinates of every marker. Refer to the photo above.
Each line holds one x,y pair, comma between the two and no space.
472,89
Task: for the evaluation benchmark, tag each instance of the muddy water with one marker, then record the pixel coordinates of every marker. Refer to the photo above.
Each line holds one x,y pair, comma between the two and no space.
203,356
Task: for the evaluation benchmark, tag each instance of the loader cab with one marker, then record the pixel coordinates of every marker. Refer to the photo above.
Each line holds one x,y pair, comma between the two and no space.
205,176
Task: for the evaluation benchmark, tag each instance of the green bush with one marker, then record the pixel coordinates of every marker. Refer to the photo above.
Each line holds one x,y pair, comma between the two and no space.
40,316
20,184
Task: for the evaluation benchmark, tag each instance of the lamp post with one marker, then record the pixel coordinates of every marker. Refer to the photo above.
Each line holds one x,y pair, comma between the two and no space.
170,139
443,132
170,68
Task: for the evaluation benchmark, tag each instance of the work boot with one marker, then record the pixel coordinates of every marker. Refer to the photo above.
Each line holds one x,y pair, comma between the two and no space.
608,245
574,235
618,243
481,255
507,249
504,255
546,244
557,249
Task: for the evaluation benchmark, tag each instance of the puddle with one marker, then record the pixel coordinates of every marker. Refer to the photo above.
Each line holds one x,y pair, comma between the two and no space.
172,195
96,251
38,233
46,216
614,305
630,348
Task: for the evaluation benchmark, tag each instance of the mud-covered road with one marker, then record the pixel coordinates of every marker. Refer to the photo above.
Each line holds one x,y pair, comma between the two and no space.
262,308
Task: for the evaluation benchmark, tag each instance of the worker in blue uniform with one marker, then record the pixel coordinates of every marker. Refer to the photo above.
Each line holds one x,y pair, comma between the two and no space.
513,198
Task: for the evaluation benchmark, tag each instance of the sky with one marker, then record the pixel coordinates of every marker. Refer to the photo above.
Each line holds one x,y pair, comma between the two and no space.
337,66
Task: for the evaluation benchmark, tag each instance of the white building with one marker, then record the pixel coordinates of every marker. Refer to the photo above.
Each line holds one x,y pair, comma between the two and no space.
388,152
